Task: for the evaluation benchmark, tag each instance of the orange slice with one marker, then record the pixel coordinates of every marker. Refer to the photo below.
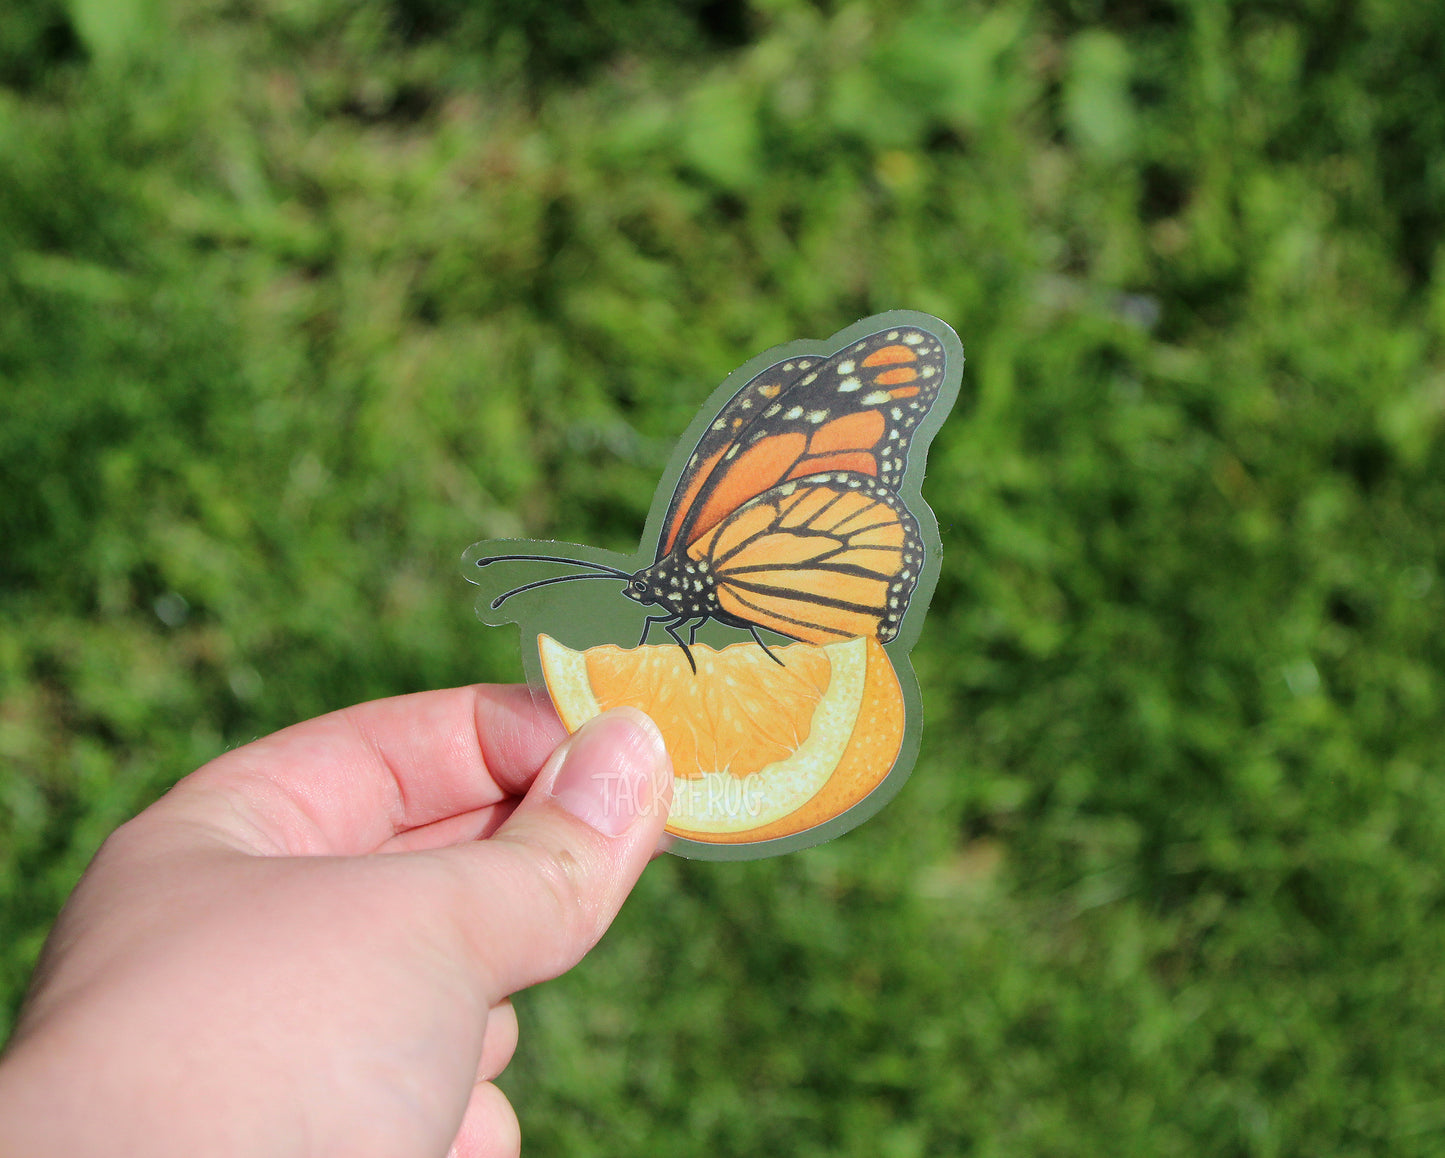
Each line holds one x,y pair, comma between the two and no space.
759,749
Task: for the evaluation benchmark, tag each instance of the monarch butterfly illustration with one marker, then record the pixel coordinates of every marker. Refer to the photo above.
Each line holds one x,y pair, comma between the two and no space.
787,515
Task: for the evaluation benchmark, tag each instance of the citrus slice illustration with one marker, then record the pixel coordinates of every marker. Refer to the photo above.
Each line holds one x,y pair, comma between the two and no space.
759,749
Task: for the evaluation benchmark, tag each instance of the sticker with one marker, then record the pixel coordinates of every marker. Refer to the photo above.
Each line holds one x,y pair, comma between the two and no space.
783,577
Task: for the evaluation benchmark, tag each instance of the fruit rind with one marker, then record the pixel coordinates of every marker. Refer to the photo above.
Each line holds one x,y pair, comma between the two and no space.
566,673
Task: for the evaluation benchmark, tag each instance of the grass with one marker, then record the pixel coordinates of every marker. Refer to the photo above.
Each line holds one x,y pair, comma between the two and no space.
298,300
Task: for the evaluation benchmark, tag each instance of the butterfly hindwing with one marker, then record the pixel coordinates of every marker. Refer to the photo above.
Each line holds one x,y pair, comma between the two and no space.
820,558
855,411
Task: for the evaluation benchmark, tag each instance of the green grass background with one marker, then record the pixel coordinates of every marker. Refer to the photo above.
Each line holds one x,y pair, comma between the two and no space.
298,298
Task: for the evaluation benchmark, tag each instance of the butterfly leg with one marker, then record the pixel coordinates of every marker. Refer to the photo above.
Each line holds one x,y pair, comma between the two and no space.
764,646
692,631
647,626
672,631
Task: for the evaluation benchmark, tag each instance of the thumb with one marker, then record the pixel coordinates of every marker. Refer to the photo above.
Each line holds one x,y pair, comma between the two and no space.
543,889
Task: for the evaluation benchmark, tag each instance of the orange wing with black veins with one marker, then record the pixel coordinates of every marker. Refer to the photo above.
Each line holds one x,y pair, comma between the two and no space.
855,411
821,558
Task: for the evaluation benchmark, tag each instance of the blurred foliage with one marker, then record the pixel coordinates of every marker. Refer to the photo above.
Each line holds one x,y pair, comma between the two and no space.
300,297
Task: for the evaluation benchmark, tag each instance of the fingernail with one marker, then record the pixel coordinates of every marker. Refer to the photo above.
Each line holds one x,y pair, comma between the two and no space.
611,771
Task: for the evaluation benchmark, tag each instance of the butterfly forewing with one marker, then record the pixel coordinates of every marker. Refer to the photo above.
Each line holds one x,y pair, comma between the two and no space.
855,412
721,434
821,558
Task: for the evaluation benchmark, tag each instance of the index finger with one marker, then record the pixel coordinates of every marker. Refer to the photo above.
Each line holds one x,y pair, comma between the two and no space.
347,782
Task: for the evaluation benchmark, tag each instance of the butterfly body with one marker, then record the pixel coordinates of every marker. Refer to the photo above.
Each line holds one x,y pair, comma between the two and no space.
787,514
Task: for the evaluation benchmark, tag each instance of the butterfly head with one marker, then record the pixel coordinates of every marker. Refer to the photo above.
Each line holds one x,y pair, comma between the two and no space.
677,583
642,588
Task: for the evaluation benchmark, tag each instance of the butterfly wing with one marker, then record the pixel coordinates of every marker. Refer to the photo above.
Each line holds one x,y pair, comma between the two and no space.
722,433
821,558
855,411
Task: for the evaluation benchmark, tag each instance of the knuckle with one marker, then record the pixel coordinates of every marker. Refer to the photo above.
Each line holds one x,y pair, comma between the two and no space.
558,886
563,890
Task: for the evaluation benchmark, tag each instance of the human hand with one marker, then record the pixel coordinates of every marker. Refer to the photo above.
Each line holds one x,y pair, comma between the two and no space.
307,946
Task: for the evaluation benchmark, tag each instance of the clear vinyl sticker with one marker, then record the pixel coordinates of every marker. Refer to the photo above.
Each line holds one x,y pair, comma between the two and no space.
766,619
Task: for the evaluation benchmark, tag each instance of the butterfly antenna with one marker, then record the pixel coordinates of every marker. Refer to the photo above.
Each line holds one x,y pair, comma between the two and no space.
600,567
502,598
597,571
